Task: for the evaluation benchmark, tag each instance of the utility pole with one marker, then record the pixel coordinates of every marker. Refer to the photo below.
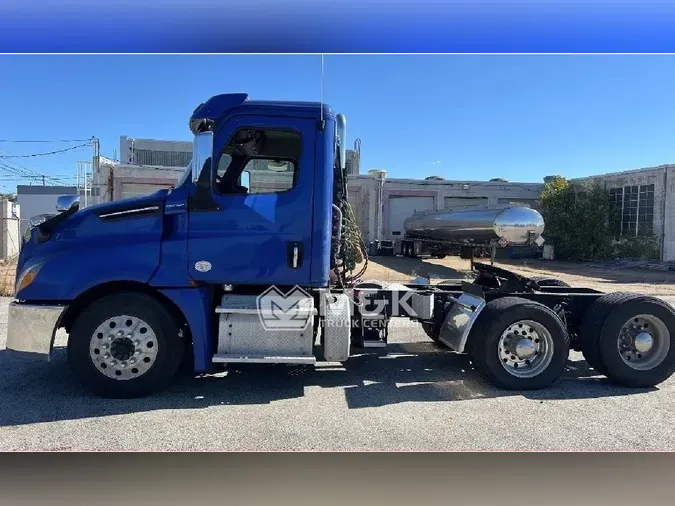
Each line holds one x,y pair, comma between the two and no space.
96,175
43,180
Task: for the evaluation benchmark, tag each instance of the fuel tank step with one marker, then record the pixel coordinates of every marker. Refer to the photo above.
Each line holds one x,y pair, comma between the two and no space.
262,359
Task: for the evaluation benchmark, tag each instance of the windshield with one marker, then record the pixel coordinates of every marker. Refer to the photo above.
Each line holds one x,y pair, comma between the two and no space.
185,176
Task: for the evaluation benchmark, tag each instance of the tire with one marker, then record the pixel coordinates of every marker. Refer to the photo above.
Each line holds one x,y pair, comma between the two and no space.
647,316
545,328
591,327
155,363
546,281
431,331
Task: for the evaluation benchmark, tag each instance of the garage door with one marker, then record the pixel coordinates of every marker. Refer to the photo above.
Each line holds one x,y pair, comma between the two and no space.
453,202
138,189
401,208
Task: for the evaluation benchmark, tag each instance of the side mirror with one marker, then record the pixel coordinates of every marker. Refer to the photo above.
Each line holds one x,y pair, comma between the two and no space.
245,180
67,202
202,151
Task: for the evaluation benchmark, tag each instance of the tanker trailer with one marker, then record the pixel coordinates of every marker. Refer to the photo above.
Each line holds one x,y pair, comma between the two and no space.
470,231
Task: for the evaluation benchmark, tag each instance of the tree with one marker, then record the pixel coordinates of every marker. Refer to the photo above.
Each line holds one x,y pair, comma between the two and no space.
576,218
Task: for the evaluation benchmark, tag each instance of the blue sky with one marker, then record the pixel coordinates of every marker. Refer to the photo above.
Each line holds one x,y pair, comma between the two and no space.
461,117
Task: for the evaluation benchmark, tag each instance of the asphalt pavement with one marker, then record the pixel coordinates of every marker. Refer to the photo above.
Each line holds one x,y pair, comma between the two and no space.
414,396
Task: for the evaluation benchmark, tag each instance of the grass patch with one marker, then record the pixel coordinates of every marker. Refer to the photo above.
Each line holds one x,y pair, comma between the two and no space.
7,277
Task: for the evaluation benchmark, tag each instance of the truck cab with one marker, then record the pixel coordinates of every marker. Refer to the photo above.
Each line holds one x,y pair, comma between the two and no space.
253,210
251,258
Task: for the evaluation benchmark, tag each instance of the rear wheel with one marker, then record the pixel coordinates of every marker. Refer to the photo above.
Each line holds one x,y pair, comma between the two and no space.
636,342
519,344
591,327
125,345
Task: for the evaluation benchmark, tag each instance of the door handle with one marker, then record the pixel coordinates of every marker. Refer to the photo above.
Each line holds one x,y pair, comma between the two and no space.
295,257
295,254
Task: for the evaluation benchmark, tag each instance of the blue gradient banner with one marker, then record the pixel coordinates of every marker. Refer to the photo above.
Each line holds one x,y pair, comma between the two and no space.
347,26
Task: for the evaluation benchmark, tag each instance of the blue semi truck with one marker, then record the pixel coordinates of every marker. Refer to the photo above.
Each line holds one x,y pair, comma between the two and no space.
254,256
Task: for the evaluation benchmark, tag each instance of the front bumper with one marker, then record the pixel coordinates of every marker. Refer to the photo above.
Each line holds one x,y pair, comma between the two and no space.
31,328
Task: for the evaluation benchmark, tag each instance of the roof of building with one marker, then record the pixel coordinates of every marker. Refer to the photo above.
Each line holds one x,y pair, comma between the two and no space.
45,190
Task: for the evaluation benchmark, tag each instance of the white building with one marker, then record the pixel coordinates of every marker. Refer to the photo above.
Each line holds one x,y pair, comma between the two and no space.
155,152
646,198
382,204
10,240
34,200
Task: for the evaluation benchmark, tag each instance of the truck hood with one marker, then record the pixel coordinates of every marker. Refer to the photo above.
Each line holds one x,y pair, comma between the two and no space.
105,242
70,221
128,204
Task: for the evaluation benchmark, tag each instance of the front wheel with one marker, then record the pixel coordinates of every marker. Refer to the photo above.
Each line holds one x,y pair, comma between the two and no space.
519,344
125,345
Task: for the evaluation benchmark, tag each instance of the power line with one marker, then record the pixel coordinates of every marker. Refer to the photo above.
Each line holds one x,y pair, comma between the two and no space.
56,152
18,141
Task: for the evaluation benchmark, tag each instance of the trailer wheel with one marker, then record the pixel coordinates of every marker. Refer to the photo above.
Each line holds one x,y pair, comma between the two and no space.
591,327
546,281
636,342
125,345
518,344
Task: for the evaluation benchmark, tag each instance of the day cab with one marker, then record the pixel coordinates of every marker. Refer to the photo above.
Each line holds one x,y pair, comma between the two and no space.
136,281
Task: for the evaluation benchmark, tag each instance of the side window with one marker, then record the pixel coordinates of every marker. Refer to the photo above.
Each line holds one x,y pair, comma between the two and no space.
257,161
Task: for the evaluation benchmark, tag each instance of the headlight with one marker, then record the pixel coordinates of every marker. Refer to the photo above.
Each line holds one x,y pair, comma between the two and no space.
27,277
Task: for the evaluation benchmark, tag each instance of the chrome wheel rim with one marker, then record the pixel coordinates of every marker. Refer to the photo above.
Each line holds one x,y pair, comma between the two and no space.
643,342
123,347
525,349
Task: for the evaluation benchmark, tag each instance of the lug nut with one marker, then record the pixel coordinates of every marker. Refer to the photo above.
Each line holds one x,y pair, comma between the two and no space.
123,364
137,353
136,342
120,333
106,356
132,361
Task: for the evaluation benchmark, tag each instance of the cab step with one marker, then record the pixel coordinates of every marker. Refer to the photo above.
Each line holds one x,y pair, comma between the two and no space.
262,359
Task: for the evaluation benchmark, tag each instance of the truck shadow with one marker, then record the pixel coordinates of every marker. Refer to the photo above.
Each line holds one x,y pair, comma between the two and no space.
409,268
33,392
605,274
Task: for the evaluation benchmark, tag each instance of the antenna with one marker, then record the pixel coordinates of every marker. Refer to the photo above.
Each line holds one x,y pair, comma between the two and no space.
321,89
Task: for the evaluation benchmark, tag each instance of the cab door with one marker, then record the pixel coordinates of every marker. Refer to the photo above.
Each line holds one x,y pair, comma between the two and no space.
250,218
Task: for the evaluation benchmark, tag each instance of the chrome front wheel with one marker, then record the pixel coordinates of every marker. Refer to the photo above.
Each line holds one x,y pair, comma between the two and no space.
124,347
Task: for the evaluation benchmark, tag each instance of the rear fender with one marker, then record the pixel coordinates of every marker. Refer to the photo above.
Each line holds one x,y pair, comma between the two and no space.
459,321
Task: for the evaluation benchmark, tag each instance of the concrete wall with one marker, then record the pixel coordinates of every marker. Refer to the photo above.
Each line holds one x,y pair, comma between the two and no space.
111,177
35,200
10,240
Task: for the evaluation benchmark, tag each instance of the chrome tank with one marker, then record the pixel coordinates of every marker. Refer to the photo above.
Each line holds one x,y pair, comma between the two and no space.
480,224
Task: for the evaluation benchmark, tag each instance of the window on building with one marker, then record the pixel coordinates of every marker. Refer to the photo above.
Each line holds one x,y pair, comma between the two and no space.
632,210
646,210
258,161
615,207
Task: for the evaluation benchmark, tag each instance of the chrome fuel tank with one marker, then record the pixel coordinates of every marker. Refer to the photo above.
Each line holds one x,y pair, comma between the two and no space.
480,224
